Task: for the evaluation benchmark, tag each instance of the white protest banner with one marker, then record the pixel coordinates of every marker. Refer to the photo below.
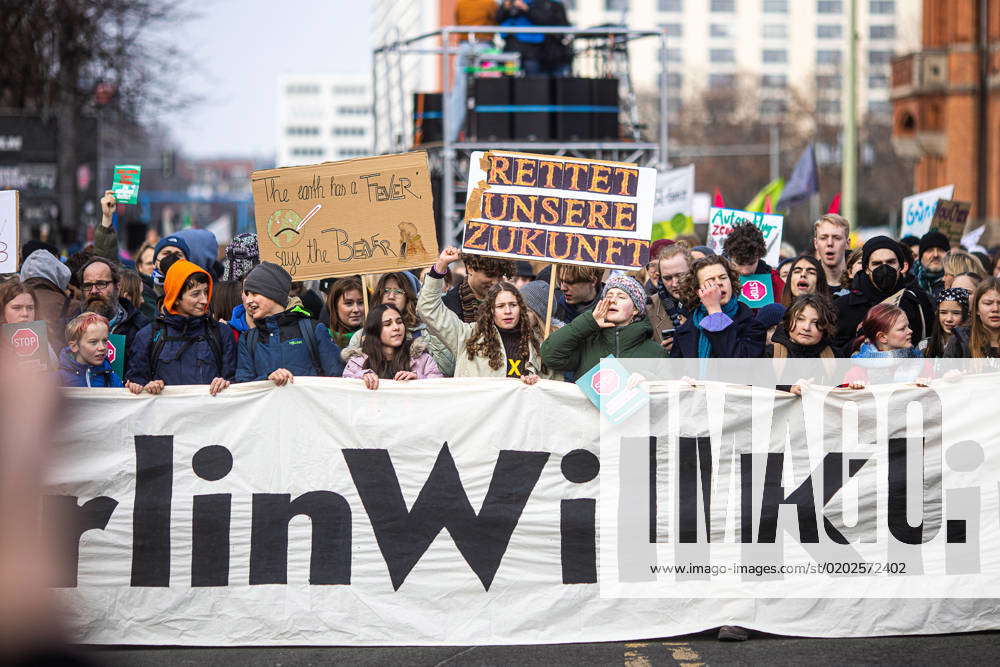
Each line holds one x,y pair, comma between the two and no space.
559,209
464,511
9,230
722,220
673,206
918,210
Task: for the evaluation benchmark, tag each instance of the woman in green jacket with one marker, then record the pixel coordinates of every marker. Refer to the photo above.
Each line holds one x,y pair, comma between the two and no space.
616,326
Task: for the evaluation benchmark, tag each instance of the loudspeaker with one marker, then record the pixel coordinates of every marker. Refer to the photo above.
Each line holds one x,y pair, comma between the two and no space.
427,118
605,94
572,125
532,125
488,124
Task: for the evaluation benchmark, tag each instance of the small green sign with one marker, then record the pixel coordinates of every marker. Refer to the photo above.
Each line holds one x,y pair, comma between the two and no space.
116,354
126,183
755,290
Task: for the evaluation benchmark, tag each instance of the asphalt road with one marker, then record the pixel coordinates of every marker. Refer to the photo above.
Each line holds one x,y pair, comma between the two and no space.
691,650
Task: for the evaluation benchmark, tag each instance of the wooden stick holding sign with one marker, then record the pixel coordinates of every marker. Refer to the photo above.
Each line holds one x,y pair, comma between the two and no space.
553,279
364,293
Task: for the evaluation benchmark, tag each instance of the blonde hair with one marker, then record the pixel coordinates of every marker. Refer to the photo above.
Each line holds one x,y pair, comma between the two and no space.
957,262
77,326
833,219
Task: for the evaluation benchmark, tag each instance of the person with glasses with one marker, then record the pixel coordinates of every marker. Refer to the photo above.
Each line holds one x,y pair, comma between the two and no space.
666,312
100,282
397,289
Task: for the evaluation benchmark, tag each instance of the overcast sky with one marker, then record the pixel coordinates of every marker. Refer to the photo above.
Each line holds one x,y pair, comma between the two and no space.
241,47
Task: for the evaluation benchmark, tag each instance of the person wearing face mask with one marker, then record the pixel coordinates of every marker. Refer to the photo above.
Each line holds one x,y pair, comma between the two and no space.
882,277
952,311
981,338
184,344
388,352
500,342
929,268
720,325
617,326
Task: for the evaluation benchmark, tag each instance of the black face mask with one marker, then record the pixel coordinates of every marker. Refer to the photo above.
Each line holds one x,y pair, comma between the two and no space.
884,278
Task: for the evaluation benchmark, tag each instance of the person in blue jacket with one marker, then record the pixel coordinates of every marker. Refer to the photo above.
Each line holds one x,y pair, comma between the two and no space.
720,325
84,360
184,344
285,341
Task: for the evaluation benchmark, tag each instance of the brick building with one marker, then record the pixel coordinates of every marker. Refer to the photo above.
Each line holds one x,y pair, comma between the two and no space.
946,105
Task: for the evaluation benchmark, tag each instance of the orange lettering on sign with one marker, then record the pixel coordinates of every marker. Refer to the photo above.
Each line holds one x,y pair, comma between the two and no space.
575,170
550,210
491,210
499,173
551,172
524,208
598,215
528,237
627,186
624,216
525,172
495,238
473,231
600,178
574,213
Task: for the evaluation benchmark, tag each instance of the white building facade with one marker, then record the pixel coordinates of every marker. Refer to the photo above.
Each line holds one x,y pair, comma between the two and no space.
780,43
324,117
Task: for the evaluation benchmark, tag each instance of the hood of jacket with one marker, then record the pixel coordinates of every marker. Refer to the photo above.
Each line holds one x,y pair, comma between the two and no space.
294,311
630,335
238,319
203,245
68,362
417,347
43,264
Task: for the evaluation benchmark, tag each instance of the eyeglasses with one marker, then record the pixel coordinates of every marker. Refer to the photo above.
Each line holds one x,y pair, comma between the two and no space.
99,285
393,291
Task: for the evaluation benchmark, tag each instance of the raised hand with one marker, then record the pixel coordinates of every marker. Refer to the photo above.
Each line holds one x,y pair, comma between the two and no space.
108,204
711,297
601,314
448,255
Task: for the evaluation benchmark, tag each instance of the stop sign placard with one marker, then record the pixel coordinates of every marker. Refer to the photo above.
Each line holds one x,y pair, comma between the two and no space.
24,342
112,352
605,381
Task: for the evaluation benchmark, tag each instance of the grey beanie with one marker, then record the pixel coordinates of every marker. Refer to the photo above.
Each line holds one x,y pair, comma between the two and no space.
270,280
43,264
536,297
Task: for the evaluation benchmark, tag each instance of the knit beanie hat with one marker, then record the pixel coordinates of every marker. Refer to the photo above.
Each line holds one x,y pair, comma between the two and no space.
173,282
657,246
172,241
934,239
631,287
770,314
270,280
880,243
242,254
704,250
536,296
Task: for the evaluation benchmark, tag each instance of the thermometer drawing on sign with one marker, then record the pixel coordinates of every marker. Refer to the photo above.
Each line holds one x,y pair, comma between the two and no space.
309,216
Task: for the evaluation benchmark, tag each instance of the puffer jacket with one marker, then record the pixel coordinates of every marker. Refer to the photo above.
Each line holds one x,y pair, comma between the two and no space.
74,374
453,333
421,361
441,355
581,344
187,355
280,345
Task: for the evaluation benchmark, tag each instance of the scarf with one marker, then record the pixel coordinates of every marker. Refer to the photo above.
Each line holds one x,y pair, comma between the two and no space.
927,279
469,301
797,350
730,308
869,351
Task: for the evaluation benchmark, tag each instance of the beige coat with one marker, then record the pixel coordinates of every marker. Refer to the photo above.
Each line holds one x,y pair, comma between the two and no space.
453,332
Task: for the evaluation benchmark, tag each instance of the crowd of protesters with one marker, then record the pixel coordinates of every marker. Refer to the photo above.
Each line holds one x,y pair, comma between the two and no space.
192,315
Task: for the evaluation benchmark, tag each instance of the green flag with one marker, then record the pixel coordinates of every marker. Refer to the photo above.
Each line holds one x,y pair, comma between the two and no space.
772,190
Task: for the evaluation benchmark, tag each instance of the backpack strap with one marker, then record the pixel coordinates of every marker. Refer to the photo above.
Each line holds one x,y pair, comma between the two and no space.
214,340
307,328
253,335
158,340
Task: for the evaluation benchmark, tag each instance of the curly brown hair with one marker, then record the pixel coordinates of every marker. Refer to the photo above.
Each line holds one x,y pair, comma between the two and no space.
745,244
483,340
494,267
689,285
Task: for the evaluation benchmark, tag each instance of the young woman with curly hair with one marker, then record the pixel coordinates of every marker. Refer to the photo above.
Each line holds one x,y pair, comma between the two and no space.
500,342
720,326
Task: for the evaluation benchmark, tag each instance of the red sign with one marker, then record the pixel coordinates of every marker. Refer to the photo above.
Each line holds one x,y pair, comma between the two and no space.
605,382
111,352
25,342
754,290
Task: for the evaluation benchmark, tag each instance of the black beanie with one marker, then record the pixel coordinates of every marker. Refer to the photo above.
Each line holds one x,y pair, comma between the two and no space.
934,239
880,243
270,280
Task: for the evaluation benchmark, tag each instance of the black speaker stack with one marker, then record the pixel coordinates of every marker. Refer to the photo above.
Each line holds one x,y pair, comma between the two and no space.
427,118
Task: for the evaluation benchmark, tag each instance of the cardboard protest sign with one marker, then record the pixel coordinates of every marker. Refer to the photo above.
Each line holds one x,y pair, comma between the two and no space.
722,220
918,210
606,386
558,209
29,341
367,215
126,183
950,218
10,229
755,290
673,204
116,354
